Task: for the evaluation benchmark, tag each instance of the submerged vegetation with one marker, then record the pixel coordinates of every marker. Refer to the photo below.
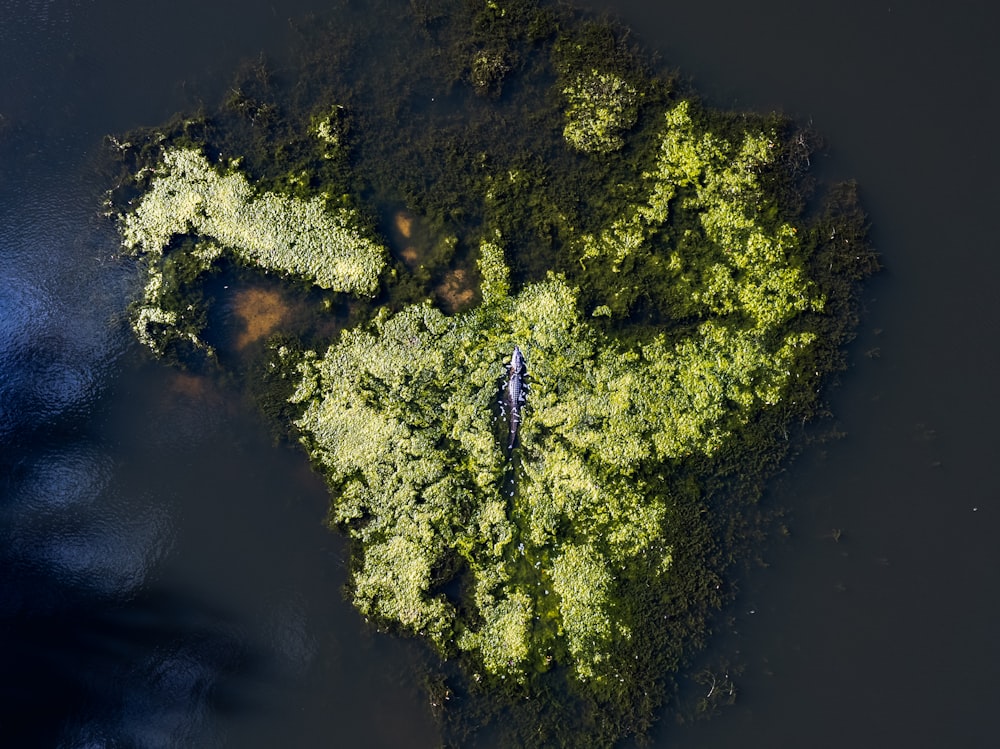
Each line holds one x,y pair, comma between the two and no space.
400,418
676,304
269,231
599,107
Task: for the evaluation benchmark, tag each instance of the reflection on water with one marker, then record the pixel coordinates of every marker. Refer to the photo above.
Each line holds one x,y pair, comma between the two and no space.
54,334
142,672
166,579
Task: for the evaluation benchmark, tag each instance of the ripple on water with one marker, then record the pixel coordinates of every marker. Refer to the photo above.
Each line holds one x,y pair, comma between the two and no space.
63,478
60,322
88,546
286,625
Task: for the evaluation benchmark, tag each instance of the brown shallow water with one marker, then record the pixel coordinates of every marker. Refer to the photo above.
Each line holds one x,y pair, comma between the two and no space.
259,313
165,577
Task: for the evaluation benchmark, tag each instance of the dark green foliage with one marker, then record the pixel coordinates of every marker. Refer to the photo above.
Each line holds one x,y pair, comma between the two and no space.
678,305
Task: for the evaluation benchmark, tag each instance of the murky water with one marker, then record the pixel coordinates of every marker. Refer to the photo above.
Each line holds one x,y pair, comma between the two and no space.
165,578
887,637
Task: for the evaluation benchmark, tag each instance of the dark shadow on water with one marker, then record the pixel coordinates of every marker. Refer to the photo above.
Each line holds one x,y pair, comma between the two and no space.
75,666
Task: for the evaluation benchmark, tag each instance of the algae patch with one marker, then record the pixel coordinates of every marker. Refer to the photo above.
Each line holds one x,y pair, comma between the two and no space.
651,257
400,418
187,196
599,108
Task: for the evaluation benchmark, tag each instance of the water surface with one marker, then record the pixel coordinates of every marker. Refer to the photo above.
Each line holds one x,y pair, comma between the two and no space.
165,578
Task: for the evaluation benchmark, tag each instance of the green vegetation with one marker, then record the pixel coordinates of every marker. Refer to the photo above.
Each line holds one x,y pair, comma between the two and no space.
304,238
401,419
677,306
600,106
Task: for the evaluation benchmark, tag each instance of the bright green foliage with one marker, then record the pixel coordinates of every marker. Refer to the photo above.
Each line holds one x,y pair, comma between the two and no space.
493,270
599,108
708,223
582,582
327,129
305,238
694,315
271,231
401,416
154,315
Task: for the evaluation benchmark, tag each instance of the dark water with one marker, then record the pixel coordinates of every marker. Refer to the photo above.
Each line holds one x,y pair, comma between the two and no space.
887,638
165,580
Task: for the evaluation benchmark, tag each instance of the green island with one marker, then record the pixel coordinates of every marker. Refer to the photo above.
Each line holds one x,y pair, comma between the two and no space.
490,175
